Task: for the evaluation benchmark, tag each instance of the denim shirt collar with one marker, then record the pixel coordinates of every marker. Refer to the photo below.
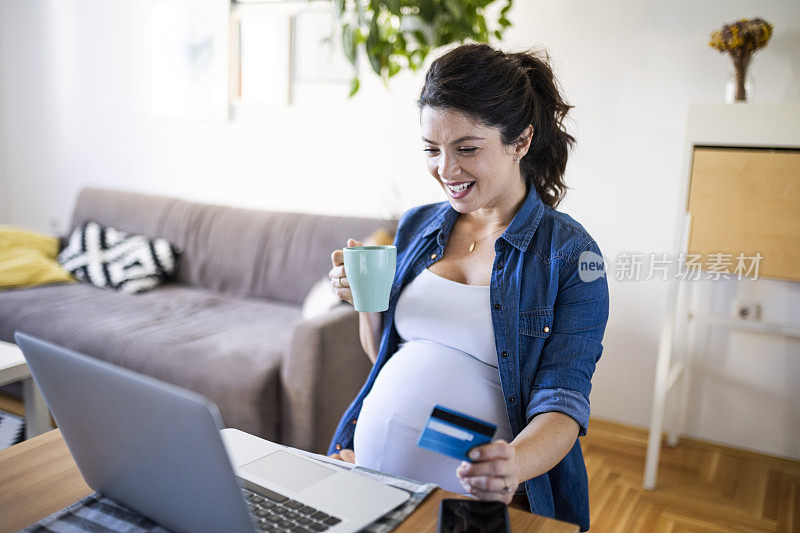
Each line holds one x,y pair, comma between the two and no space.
518,234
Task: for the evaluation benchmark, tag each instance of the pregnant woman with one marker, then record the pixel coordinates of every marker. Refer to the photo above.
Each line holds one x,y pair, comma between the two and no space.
499,301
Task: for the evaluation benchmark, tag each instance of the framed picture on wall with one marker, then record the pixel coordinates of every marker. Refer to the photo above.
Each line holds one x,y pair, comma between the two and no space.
188,58
317,49
261,56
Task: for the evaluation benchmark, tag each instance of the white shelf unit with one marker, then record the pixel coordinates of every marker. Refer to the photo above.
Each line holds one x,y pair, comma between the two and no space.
762,125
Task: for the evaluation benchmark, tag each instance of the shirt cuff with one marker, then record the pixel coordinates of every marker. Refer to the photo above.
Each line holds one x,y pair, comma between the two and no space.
567,401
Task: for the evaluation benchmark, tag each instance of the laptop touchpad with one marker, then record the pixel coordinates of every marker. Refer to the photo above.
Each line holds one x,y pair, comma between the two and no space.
288,470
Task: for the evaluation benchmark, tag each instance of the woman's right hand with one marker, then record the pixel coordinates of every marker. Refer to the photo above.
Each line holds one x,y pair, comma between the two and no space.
346,455
338,278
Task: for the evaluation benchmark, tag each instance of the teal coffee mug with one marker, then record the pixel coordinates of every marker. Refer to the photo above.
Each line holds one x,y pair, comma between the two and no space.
370,272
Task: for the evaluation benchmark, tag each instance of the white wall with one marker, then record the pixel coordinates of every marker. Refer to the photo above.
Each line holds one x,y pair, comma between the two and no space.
74,112
5,206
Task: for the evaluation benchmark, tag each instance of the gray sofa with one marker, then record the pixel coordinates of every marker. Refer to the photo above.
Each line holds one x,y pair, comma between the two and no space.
229,325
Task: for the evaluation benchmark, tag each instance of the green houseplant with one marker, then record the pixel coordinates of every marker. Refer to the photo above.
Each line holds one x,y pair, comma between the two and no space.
398,34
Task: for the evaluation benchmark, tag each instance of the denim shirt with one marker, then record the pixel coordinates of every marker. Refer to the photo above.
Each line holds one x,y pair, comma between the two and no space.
548,317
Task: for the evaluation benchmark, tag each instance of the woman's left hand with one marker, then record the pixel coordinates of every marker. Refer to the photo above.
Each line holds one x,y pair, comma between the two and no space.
494,474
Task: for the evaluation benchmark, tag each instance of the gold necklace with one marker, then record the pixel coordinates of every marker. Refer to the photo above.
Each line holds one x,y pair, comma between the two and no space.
474,241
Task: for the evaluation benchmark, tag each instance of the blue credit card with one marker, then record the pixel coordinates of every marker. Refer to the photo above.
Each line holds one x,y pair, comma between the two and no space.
454,434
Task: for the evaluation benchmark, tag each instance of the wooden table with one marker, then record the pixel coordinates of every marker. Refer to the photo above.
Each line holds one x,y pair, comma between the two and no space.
38,477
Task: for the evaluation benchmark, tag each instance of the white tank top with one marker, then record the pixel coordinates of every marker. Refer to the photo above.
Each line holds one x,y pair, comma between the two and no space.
447,357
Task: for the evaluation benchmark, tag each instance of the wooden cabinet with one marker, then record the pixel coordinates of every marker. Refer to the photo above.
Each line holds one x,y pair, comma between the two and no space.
747,201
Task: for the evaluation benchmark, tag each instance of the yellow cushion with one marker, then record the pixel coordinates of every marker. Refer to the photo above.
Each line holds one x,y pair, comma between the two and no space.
28,259
379,237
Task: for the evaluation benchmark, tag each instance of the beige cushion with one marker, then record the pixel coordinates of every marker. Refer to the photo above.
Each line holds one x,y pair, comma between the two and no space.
320,299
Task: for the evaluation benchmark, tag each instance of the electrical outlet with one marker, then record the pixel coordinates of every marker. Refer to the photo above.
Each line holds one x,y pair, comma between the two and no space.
748,311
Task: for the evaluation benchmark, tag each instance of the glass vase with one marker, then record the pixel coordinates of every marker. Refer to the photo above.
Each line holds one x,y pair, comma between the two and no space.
730,88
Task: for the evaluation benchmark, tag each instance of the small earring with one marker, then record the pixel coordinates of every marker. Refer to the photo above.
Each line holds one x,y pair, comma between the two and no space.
516,159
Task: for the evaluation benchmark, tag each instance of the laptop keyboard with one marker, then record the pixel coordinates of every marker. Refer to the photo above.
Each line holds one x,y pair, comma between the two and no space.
275,512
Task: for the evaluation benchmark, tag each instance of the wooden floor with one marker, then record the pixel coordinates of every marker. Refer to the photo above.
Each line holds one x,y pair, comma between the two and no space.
701,487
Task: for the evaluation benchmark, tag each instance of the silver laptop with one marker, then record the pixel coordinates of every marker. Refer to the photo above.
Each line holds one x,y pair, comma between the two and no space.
158,449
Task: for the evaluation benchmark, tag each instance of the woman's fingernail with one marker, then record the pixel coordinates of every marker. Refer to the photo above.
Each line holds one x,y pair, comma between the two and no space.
474,454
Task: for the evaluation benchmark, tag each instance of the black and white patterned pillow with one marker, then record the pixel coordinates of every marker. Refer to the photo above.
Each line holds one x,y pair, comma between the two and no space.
107,257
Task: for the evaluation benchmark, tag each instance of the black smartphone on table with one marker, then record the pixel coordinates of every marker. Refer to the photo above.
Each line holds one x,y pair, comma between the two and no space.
473,516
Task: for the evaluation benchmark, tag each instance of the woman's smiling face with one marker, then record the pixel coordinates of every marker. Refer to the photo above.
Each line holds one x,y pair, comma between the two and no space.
470,162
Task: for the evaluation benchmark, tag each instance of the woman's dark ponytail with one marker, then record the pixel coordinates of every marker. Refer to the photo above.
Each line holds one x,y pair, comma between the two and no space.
544,164
509,92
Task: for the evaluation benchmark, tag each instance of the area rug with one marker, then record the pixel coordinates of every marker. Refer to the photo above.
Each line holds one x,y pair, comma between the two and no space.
12,430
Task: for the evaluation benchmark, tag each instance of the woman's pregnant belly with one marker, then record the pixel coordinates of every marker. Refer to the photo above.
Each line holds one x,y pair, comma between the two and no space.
417,377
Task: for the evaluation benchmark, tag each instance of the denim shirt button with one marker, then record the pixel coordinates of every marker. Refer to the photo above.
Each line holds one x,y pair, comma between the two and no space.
338,446
433,256
504,354
511,399
497,307
499,266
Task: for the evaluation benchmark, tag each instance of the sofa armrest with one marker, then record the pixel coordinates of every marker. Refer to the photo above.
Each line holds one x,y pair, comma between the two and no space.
321,374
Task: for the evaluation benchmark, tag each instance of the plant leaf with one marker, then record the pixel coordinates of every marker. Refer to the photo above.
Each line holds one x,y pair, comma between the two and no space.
454,7
354,85
338,7
360,13
483,32
375,61
427,10
349,43
393,6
